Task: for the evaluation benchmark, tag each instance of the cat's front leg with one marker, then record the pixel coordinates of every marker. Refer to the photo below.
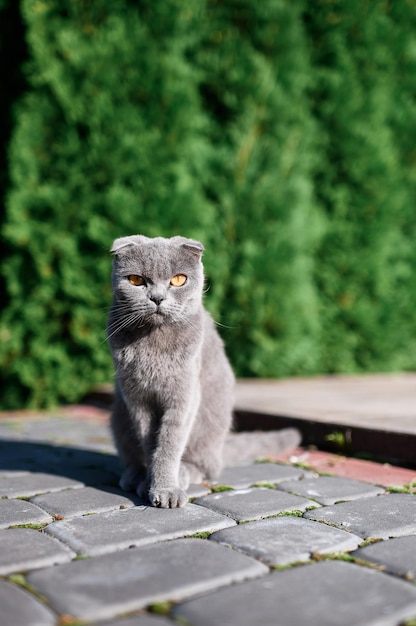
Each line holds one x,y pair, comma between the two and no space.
167,479
132,478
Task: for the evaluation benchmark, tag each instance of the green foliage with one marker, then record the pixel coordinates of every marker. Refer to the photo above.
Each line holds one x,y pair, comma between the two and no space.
255,72
278,132
365,258
110,141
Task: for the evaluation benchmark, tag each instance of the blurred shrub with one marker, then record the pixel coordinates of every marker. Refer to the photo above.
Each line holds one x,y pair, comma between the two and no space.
110,140
275,131
366,258
255,77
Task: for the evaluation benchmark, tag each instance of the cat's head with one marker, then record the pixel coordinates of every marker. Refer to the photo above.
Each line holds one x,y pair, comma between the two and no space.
157,281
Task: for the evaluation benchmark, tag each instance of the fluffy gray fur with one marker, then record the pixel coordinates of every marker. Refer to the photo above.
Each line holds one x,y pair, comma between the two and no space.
174,384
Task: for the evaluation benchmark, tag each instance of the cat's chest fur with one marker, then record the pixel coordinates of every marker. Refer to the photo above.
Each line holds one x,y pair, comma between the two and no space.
159,360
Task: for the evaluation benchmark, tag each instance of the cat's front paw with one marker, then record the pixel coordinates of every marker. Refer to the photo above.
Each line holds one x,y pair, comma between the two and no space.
168,498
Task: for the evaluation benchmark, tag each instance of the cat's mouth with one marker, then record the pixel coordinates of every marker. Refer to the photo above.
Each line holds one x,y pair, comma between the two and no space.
158,315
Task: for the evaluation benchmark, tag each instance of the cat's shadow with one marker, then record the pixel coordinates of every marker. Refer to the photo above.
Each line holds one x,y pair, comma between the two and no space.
90,467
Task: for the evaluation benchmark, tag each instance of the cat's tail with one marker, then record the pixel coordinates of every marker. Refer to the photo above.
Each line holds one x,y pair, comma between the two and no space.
246,447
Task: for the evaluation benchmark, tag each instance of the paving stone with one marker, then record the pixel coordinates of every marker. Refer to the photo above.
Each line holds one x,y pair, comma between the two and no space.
391,515
69,459
13,512
329,489
196,491
397,555
330,593
94,476
116,530
64,460
253,504
22,549
59,430
19,608
112,584
75,502
240,477
138,620
283,540
32,484
11,472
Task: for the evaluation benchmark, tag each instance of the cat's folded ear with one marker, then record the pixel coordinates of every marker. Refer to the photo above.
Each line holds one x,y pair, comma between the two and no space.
196,248
124,242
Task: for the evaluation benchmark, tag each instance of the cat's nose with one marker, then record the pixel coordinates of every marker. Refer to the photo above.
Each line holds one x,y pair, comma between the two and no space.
157,298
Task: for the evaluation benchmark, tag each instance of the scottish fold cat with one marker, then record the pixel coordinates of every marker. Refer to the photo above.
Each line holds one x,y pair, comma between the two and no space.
174,384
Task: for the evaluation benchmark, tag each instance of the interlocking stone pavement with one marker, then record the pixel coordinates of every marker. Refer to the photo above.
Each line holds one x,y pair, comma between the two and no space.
14,512
32,484
117,530
322,594
330,489
397,556
248,475
74,547
287,539
23,549
252,504
76,502
129,579
138,620
386,516
19,608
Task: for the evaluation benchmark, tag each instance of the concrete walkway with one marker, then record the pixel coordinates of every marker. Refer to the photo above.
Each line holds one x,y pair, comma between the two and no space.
376,401
270,543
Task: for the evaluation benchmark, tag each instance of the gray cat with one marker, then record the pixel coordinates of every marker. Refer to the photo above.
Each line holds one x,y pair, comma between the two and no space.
174,384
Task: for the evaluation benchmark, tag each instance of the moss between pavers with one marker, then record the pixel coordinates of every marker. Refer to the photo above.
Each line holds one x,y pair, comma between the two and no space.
160,608
315,557
408,488
20,581
40,526
264,485
349,558
200,535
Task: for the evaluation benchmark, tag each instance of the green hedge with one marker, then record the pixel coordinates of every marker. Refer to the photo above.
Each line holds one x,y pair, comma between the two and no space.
279,132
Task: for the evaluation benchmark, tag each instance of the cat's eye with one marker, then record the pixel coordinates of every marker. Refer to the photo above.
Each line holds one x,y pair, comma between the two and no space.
136,280
178,280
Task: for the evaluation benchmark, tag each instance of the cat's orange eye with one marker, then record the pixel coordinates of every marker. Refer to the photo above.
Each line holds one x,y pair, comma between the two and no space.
136,280
178,280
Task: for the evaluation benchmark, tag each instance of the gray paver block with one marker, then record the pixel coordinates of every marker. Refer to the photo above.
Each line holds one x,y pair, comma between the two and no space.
32,484
13,512
19,608
384,516
75,502
11,472
283,540
112,584
253,504
240,477
330,593
196,491
60,430
92,476
328,490
397,555
138,620
22,549
117,530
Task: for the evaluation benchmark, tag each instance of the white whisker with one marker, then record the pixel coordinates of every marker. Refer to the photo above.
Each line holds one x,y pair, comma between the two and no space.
224,325
120,322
